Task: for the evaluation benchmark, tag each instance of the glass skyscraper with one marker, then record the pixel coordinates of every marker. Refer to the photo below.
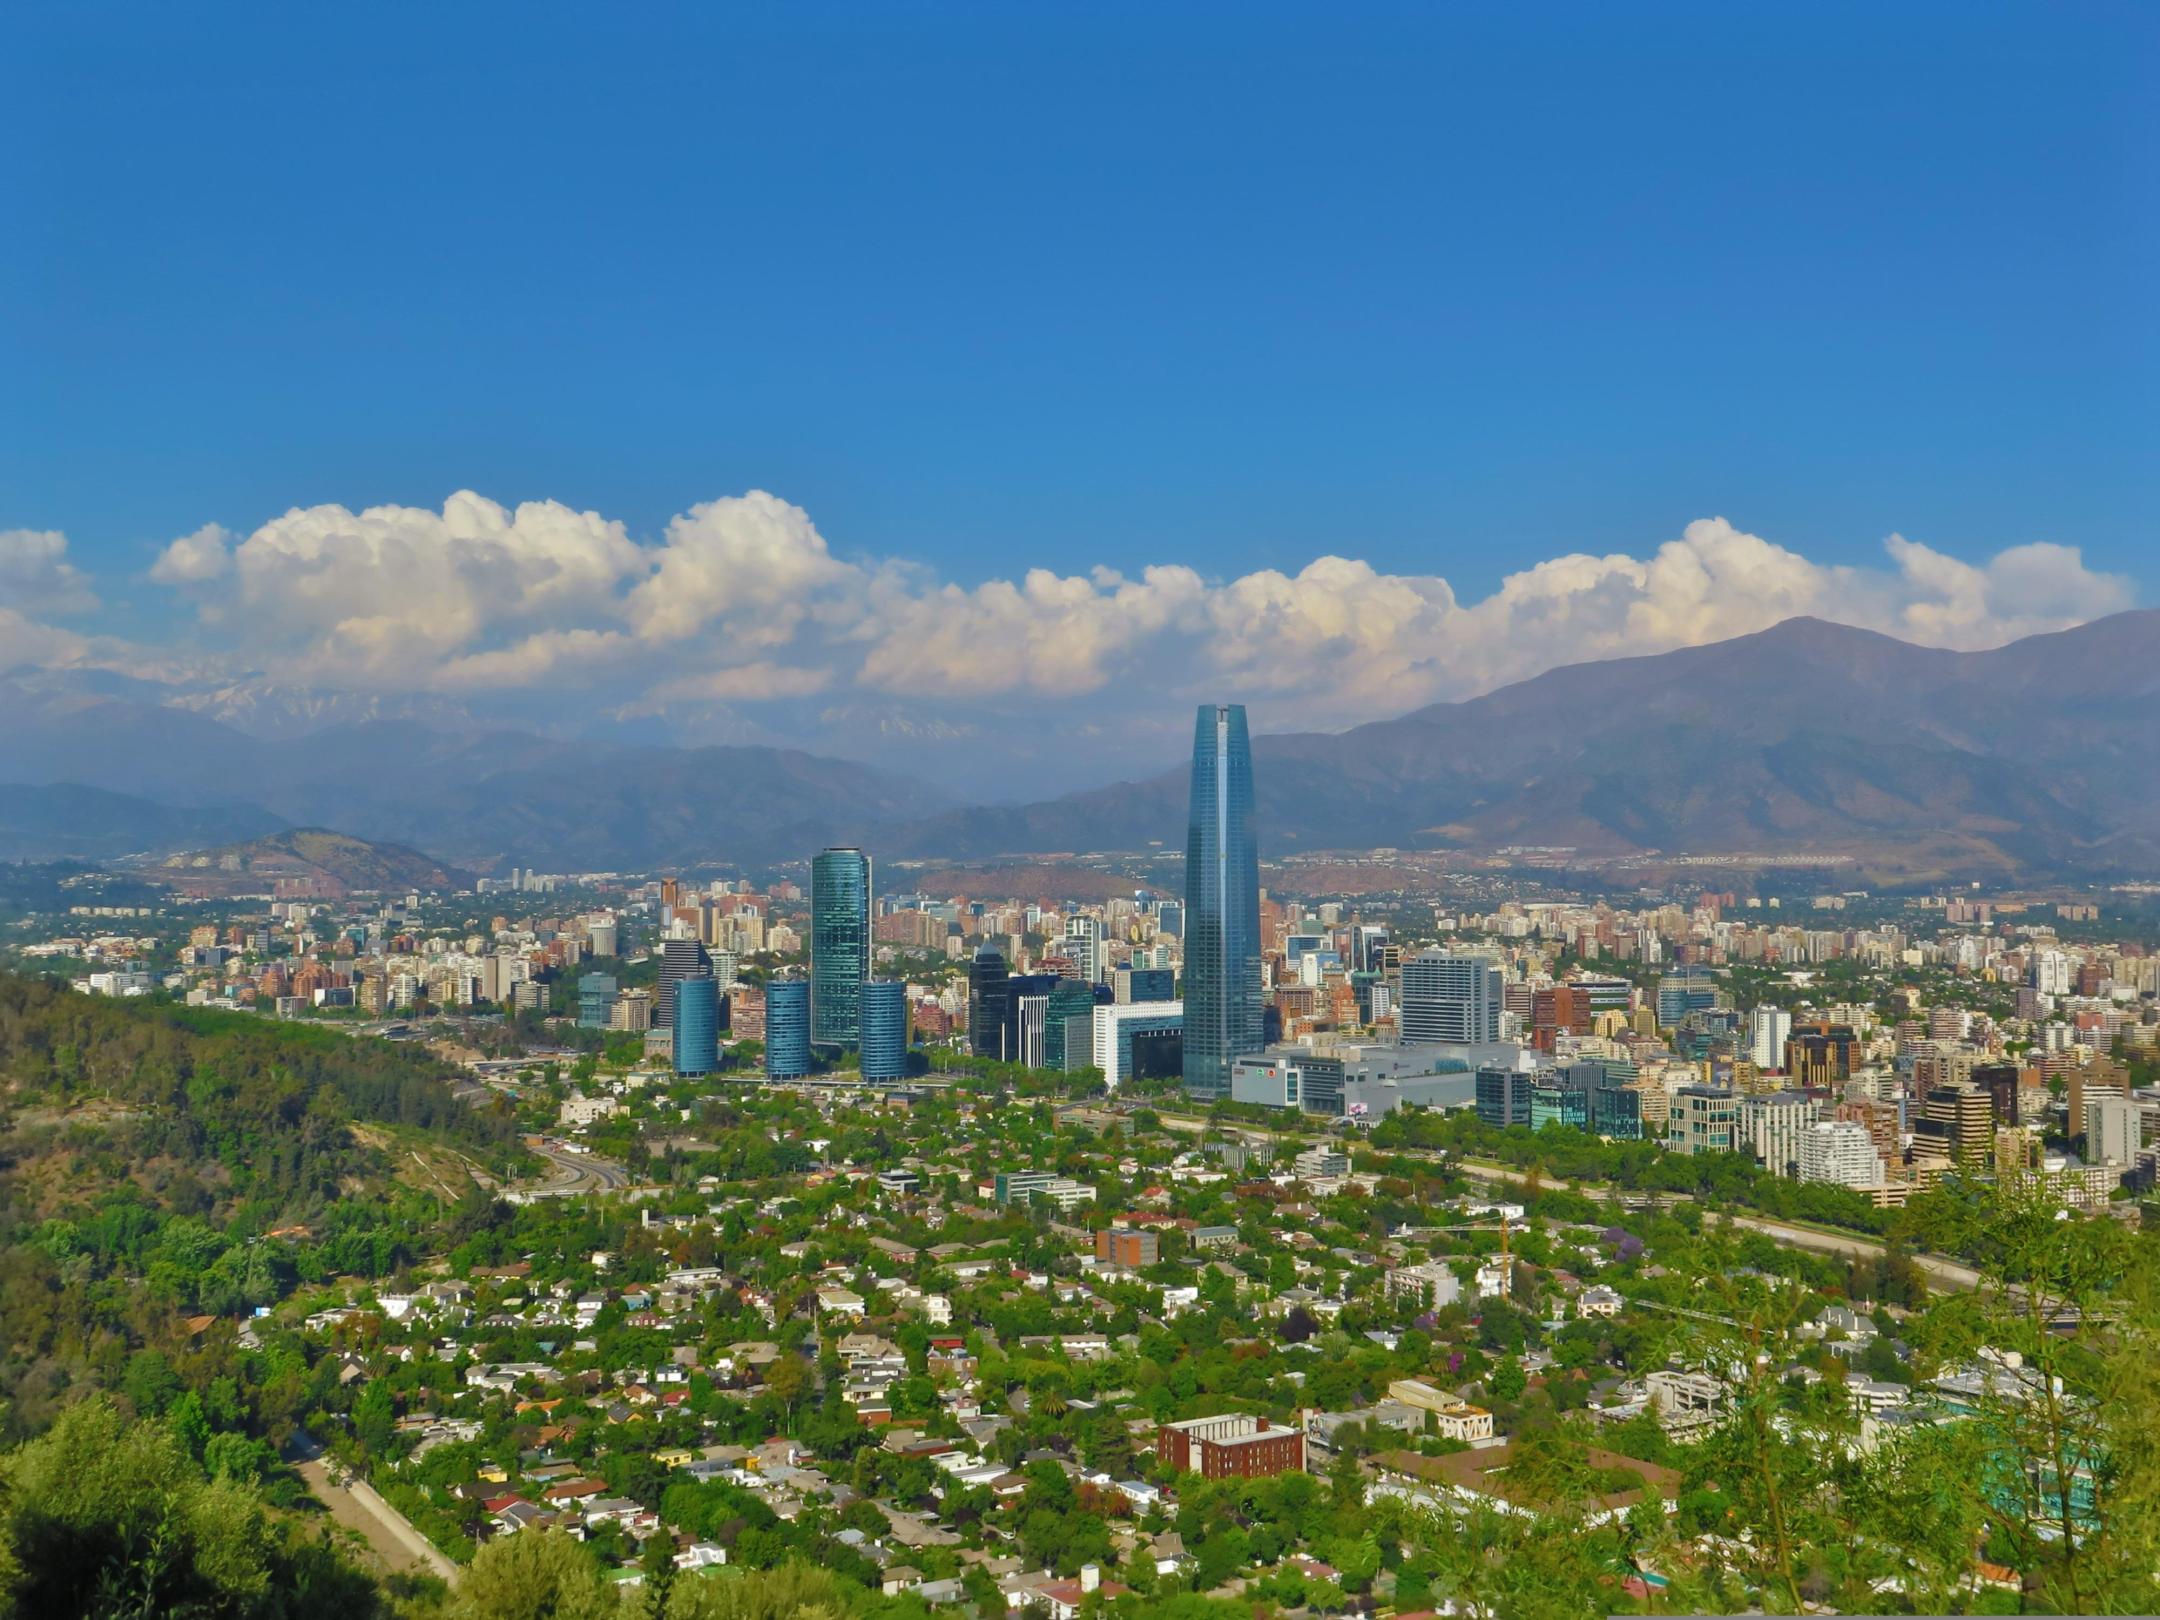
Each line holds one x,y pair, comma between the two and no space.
787,1029
1223,1014
697,1025
884,1030
839,945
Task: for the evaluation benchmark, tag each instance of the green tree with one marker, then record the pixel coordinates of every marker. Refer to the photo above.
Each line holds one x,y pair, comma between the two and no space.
533,1574
111,1518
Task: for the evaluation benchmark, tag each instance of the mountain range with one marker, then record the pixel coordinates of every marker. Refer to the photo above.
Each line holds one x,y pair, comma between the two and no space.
1808,738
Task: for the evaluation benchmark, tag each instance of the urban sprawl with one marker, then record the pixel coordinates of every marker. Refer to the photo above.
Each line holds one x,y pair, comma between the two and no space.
1405,1252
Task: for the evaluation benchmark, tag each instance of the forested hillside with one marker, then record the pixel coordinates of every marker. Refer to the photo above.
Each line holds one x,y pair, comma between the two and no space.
162,1164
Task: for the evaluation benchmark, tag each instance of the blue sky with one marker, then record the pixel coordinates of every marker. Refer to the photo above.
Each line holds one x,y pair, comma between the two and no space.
1449,290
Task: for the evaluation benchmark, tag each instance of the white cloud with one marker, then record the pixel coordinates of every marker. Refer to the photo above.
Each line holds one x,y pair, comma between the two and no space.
400,594
194,559
742,601
36,577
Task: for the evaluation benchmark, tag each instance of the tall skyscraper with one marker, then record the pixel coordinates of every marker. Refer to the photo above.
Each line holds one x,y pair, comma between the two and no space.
884,1030
787,1029
1223,1014
839,945
1448,998
697,1025
679,959
988,999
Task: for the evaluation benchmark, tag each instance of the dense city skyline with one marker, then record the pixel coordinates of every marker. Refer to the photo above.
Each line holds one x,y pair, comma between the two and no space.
1131,812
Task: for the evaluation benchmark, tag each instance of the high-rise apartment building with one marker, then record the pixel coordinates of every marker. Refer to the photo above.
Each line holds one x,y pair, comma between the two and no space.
1084,946
839,945
1449,998
2113,1128
1768,1030
1956,1124
1222,1010
1841,1152
1770,1126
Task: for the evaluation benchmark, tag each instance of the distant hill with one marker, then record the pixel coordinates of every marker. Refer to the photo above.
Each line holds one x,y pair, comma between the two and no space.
2040,756
1808,738
483,798
67,821
332,862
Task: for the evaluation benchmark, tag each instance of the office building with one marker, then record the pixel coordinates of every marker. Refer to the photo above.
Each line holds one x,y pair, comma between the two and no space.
787,1029
596,1000
697,1016
1702,1120
1685,990
839,945
1141,1040
1031,1020
1503,1096
884,1030
1616,1111
988,1004
1819,1057
1144,984
1449,999
1222,901
2001,1082
679,959
1069,1025
1561,1095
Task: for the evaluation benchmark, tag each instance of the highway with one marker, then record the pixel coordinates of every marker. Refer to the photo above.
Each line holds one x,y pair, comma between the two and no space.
574,1174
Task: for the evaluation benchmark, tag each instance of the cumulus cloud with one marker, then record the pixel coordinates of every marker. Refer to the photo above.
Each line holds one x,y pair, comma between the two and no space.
741,601
36,577
194,559
401,595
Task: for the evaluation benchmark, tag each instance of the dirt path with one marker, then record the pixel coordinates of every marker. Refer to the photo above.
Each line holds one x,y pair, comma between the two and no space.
388,1533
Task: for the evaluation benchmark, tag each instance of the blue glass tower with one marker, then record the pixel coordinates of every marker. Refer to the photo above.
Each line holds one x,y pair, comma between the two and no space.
697,1025
596,1000
839,945
884,1030
787,1029
1223,1014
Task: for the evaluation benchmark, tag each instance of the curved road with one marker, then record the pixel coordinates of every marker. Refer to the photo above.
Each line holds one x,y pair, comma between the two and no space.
575,1173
